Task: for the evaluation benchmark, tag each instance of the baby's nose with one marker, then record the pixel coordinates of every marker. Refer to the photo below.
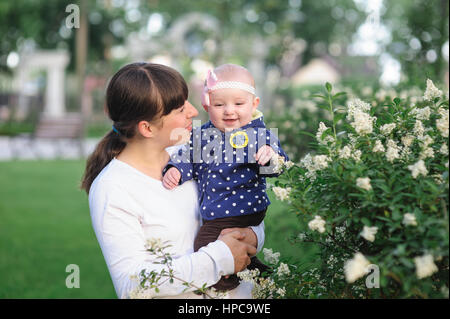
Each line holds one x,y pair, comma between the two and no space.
228,109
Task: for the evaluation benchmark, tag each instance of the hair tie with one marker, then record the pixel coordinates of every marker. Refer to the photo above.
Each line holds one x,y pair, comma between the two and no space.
115,130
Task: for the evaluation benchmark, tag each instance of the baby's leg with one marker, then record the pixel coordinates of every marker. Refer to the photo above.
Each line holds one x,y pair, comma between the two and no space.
208,233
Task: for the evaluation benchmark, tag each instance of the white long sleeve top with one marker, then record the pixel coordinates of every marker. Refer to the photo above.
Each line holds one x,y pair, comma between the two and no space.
128,208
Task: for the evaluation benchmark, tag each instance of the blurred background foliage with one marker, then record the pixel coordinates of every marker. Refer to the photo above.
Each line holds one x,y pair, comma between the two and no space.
372,49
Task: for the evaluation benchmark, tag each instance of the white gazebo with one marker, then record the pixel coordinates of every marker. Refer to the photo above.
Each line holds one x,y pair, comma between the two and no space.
54,62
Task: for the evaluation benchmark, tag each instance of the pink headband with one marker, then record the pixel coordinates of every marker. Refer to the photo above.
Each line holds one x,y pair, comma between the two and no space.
212,83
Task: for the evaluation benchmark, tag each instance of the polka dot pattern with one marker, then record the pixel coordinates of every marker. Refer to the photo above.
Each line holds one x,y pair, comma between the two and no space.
228,179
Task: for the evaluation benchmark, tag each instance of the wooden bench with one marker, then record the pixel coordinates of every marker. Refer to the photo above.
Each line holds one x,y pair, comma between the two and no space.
59,130
69,126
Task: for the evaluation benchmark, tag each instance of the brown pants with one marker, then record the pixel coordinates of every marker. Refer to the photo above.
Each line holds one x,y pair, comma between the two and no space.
211,230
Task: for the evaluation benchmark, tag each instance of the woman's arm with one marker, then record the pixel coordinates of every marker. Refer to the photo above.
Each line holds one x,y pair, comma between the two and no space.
123,244
254,235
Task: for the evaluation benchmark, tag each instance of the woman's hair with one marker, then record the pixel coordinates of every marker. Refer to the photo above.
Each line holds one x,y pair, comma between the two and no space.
137,92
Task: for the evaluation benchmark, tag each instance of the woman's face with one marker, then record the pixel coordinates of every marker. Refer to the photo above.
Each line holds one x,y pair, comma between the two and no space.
177,125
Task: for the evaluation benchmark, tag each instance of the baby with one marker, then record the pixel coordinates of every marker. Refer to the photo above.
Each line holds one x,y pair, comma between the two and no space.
223,160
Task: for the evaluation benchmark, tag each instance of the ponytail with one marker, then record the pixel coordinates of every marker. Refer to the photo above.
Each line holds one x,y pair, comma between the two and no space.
109,147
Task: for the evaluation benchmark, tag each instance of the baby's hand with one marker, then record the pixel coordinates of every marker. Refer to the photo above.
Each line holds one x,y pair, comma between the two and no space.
171,178
264,155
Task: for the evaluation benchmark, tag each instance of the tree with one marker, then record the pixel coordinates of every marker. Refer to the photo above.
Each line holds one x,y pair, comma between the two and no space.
419,31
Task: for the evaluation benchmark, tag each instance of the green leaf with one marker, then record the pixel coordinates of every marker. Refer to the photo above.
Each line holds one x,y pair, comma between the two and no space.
329,87
338,117
383,218
307,133
339,94
319,96
328,131
324,107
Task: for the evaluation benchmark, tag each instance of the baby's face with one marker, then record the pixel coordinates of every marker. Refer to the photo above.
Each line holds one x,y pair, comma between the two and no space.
231,108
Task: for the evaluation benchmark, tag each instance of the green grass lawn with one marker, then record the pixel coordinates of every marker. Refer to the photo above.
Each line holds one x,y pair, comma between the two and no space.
45,225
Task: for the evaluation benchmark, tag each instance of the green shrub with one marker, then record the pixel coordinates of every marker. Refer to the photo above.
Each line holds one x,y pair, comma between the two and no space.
375,197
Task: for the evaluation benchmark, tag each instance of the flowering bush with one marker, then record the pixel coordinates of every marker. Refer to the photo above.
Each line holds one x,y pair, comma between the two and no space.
150,281
375,193
290,114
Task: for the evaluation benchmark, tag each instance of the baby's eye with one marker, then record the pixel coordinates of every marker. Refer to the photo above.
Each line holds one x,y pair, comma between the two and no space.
182,110
239,103
219,104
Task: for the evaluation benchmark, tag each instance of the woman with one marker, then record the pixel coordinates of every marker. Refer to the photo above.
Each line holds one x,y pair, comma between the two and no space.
148,105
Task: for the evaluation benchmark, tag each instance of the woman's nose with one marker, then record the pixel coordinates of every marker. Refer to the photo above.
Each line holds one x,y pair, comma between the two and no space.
192,111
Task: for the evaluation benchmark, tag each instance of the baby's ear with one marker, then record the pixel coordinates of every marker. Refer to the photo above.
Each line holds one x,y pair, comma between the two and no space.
255,102
205,98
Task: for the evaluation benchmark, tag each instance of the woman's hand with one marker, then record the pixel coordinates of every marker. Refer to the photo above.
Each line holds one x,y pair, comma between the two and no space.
250,236
240,250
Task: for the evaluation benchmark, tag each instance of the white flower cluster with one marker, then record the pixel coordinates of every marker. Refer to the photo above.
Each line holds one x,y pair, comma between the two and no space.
280,164
419,129
154,244
356,268
409,219
418,169
270,257
332,261
431,91
262,287
393,151
442,122
348,151
407,140
378,148
426,150
364,183
355,105
265,288
444,149
317,224
422,114
283,270
345,152
425,266
313,164
368,233
320,131
358,113
141,293
281,193
248,275
387,129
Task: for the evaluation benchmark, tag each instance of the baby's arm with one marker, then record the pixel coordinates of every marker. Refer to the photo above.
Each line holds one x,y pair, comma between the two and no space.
171,178
179,169
270,152
264,155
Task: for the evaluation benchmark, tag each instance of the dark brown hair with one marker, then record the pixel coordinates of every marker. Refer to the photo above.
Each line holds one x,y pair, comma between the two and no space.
137,92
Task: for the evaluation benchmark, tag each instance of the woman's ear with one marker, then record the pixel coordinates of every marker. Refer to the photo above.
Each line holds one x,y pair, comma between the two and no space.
146,129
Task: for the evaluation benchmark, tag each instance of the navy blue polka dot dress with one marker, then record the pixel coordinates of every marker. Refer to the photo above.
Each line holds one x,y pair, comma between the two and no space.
230,182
